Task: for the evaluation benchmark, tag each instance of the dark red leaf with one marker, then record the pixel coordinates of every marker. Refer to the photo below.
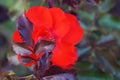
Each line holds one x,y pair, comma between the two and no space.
54,70
26,60
21,50
45,62
25,28
44,46
43,65
52,3
72,3
64,76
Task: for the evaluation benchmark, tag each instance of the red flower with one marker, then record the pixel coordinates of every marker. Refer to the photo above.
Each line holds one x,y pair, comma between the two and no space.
55,25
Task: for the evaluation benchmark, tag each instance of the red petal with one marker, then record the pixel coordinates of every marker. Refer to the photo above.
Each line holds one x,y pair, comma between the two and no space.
60,26
64,56
17,37
39,15
75,33
40,33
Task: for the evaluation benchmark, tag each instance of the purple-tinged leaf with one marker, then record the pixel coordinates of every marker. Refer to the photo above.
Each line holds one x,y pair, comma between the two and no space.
82,44
3,14
26,60
93,2
101,63
21,50
55,70
52,3
64,76
83,51
107,41
72,3
44,46
116,9
25,28
43,64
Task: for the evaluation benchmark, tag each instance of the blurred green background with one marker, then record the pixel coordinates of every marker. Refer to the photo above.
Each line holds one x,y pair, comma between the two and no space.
99,51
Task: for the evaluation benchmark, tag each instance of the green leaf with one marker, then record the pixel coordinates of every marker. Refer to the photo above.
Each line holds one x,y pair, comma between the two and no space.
88,18
92,78
109,22
8,28
106,6
21,70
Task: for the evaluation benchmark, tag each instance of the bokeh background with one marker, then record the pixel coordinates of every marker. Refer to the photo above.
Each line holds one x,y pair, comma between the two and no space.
99,51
